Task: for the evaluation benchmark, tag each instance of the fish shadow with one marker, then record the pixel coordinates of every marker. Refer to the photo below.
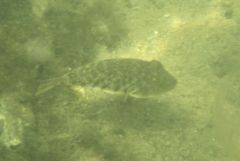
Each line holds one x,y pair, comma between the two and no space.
133,113
140,114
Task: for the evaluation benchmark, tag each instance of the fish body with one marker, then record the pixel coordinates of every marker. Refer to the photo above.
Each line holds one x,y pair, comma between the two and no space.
135,77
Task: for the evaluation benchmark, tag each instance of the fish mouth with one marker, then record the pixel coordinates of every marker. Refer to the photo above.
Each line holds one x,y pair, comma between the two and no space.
157,90
173,83
166,86
170,84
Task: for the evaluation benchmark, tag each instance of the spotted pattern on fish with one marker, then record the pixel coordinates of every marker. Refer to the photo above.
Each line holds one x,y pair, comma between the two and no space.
133,76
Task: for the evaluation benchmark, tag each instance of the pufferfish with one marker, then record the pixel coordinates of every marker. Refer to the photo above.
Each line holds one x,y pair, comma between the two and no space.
132,77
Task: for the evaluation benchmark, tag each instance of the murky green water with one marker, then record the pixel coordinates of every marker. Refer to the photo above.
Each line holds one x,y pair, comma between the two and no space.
110,57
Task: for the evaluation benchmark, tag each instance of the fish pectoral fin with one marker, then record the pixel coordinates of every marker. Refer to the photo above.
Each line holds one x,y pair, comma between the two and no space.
126,96
42,88
131,92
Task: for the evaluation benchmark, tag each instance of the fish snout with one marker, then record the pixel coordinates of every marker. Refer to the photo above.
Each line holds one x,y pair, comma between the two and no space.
170,83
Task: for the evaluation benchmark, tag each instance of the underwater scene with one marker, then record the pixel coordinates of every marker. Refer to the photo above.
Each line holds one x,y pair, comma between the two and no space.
119,80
